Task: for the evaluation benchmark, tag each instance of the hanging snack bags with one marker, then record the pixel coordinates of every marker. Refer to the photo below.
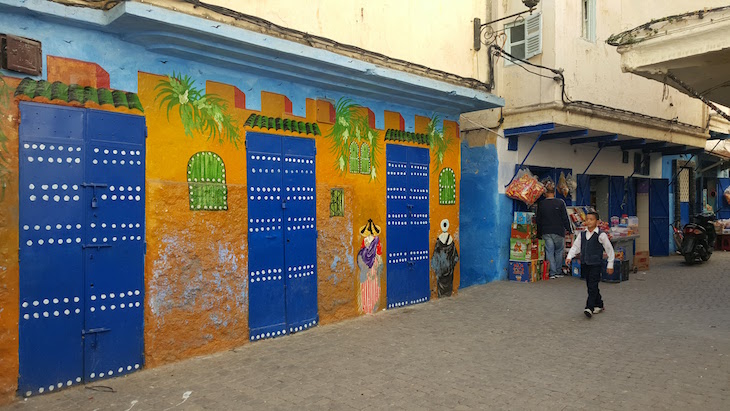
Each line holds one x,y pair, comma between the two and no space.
726,194
525,188
563,187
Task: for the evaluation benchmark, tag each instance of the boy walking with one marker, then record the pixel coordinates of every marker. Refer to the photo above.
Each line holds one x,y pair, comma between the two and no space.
591,244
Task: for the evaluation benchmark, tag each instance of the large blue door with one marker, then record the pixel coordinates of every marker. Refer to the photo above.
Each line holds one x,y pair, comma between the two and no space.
408,225
113,244
51,268
583,191
300,246
81,246
282,235
615,197
659,217
418,225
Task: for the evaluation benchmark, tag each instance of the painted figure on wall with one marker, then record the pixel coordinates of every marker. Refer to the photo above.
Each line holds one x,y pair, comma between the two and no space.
444,260
371,265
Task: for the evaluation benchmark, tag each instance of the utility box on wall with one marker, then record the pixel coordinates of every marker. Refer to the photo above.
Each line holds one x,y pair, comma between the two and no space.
20,54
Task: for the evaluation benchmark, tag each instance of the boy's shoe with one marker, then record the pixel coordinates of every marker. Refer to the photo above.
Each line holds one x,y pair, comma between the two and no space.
552,277
597,310
559,276
588,312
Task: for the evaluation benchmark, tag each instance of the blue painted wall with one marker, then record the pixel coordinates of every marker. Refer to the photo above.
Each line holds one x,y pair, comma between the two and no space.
122,60
485,218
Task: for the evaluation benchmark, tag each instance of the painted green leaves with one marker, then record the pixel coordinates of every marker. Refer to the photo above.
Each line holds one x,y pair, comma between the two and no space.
440,143
207,182
447,187
353,127
199,112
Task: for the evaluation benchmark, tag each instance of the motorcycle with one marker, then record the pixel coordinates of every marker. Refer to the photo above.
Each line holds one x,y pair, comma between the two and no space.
699,238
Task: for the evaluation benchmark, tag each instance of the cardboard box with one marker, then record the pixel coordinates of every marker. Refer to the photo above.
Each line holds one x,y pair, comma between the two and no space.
524,271
545,269
541,249
519,271
641,260
523,231
520,250
522,217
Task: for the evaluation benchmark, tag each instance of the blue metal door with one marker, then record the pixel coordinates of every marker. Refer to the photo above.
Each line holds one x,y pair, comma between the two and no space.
659,217
51,264
418,225
81,246
615,197
113,244
723,207
282,235
408,225
267,302
300,246
630,207
398,226
583,192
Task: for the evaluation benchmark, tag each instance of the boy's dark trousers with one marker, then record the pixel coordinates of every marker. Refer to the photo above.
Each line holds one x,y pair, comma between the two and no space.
592,274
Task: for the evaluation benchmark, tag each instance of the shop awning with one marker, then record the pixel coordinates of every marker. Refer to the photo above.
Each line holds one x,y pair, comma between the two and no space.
575,136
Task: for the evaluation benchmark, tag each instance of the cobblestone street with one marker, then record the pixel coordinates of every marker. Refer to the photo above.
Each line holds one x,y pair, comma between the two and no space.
663,343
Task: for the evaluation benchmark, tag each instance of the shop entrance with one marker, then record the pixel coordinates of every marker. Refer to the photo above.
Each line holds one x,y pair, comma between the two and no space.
408,225
282,235
81,245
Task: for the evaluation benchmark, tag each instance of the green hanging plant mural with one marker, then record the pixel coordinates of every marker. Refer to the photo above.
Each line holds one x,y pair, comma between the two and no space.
5,92
352,126
202,113
440,143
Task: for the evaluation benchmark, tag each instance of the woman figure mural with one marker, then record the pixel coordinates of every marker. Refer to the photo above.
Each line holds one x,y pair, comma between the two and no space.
371,265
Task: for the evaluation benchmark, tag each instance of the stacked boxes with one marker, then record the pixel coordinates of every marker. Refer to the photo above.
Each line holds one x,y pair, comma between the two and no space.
526,254
641,260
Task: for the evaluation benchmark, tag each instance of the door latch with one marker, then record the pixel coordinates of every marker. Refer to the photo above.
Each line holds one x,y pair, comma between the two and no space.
94,332
96,246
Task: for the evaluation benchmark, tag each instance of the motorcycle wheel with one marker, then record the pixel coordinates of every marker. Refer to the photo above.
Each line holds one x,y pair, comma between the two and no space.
706,257
689,259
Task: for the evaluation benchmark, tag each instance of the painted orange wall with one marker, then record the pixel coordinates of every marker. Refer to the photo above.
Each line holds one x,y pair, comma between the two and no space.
197,261
9,234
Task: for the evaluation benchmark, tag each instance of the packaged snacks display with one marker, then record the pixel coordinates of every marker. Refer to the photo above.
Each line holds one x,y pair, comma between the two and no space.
524,231
525,188
520,250
726,194
523,217
572,184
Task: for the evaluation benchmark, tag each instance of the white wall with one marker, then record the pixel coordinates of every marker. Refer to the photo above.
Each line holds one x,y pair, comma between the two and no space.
434,33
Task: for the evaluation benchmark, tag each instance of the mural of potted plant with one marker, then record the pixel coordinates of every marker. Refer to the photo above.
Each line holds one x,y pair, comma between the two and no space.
440,143
199,112
351,126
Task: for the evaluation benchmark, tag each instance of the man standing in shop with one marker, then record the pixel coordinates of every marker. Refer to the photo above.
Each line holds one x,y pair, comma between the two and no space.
552,224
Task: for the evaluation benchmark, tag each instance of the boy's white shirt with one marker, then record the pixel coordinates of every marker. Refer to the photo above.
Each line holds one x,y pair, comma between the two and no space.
602,238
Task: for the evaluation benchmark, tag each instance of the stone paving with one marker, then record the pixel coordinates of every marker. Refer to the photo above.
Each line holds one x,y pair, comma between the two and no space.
663,343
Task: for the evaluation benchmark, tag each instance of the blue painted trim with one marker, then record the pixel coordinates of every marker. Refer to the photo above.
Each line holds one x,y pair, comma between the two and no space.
625,142
714,135
194,38
594,139
540,128
565,134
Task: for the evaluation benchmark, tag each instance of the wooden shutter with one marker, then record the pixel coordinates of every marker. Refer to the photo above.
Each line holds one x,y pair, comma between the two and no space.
533,35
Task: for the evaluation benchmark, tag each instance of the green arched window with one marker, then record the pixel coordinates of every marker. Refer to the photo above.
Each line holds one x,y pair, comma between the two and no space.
207,182
447,187
365,158
354,158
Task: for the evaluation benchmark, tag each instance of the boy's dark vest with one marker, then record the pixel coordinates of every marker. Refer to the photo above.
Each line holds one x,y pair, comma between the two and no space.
591,251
